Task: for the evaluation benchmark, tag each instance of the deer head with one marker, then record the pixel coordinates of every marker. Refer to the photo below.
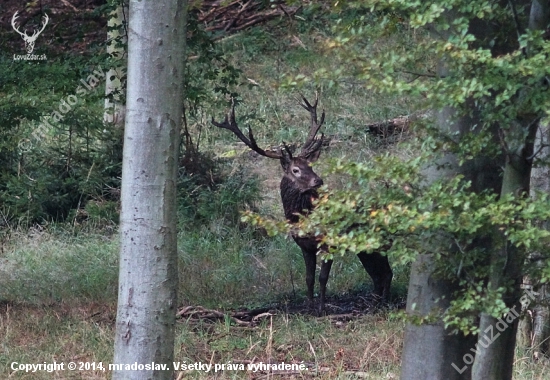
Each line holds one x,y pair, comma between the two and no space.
297,168
29,40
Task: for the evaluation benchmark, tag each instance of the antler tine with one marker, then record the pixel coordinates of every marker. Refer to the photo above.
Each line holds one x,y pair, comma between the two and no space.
46,19
231,124
13,19
311,143
313,146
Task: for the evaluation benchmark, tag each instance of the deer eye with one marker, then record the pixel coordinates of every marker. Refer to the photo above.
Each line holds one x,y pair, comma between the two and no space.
295,170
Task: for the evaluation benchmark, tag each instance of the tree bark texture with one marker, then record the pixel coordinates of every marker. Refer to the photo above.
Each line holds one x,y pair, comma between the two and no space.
494,361
116,39
430,351
148,256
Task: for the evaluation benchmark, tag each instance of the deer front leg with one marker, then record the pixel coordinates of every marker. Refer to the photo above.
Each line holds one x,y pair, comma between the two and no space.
311,262
323,279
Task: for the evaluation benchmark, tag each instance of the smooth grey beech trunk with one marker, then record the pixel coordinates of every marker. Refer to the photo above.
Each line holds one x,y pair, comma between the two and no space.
148,255
540,180
494,359
497,339
534,334
430,351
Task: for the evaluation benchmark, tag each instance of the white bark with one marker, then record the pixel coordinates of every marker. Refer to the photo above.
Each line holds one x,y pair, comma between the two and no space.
116,38
148,256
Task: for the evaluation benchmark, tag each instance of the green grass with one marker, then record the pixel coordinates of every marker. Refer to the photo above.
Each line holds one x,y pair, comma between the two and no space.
62,333
369,346
41,267
58,286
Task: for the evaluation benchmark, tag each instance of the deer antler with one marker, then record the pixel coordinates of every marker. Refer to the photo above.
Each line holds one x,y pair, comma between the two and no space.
36,32
312,144
230,124
45,22
13,24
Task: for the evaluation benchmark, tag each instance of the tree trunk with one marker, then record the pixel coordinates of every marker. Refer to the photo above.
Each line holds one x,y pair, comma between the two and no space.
540,344
148,256
541,324
534,328
116,40
540,180
430,351
497,339
495,356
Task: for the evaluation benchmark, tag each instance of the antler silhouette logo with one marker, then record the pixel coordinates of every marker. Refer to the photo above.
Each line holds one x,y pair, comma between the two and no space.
29,40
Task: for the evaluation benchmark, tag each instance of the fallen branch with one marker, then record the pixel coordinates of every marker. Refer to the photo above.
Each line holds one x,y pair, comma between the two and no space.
237,15
247,318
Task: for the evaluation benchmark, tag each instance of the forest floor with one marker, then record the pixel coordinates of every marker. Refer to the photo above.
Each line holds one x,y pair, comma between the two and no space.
242,293
359,344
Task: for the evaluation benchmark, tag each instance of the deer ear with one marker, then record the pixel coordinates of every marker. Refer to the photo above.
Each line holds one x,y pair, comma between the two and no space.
314,156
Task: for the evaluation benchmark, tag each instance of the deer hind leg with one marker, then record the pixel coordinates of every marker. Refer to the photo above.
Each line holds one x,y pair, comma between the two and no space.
378,268
310,259
323,279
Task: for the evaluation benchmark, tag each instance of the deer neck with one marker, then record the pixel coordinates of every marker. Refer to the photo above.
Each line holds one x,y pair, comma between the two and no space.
294,201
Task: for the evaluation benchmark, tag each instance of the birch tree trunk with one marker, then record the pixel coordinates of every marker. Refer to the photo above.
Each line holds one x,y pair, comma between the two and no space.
116,40
148,257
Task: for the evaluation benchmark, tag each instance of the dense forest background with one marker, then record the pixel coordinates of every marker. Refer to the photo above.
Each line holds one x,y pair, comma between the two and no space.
60,185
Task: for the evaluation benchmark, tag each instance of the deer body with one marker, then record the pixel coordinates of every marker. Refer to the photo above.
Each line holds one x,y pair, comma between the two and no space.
297,195
298,191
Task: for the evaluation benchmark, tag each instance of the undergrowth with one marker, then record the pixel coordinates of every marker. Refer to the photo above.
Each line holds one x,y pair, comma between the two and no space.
65,275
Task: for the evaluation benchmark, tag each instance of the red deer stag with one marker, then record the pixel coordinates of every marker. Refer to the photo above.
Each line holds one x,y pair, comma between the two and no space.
298,191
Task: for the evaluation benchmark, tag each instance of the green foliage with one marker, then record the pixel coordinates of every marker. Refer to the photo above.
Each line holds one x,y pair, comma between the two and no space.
387,205
488,69
51,168
209,75
217,194
55,156
483,62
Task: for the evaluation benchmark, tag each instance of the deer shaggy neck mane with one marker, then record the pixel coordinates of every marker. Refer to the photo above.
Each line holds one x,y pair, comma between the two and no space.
295,201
